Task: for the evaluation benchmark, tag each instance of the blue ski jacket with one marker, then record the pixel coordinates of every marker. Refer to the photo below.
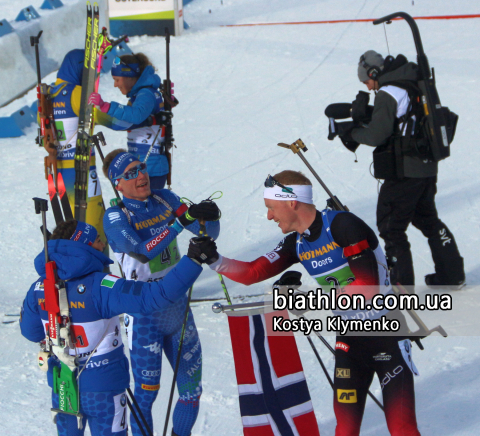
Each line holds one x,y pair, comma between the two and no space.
95,300
145,99
145,234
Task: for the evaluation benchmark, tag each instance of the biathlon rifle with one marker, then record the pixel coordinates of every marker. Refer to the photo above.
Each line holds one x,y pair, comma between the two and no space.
298,147
60,335
47,135
169,102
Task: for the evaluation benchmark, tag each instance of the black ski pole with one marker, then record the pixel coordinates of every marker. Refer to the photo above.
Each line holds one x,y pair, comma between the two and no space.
177,363
298,147
98,139
333,352
134,400
320,361
132,411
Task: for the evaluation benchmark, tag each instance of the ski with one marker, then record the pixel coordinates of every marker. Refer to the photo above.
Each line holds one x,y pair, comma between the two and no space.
12,321
83,146
52,193
62,193
238,297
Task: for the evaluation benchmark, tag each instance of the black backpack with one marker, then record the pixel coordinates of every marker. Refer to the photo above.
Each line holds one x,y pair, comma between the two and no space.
431,132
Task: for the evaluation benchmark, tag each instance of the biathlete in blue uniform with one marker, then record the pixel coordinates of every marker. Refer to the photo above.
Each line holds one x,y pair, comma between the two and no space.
95,301
142,232
339,250
135,77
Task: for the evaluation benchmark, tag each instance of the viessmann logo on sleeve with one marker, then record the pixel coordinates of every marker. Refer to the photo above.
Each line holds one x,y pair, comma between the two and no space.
154,242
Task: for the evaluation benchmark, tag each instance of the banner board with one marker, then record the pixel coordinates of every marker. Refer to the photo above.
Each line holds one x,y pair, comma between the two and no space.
135,18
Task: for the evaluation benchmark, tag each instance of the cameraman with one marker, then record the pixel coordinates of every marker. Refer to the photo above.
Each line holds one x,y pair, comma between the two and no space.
408,193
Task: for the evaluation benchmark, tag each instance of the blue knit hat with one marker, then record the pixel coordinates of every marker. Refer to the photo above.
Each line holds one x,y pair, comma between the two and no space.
84,233
122,69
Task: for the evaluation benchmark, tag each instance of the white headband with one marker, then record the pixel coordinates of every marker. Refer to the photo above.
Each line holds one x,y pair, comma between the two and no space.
301,193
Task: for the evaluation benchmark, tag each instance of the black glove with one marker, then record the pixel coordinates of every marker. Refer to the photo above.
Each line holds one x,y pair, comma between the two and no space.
360,111
207,210
289,278
343,129
351,145
203,250
344,132
339,129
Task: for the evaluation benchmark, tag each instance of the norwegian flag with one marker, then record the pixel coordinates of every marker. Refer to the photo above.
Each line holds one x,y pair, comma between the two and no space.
273,393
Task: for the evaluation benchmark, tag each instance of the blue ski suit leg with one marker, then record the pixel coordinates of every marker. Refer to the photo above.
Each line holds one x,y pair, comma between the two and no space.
106,413
150,335
189,377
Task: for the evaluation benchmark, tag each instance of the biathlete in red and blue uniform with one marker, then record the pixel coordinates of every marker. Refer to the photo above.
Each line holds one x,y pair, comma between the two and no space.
339,250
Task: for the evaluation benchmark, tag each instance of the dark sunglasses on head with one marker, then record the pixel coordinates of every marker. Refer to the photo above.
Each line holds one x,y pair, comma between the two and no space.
133,172
270,182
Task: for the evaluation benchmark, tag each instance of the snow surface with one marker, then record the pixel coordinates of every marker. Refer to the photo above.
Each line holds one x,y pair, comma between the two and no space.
243,90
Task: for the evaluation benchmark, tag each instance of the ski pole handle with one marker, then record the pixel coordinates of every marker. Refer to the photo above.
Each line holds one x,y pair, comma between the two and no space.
41,206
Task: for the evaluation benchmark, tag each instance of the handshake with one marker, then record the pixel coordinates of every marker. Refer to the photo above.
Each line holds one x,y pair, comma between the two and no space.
358,110
203,250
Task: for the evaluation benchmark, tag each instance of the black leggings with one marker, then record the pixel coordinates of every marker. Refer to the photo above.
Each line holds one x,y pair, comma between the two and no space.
410,200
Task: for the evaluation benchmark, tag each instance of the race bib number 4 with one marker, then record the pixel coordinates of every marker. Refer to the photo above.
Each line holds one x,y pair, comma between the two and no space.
167,258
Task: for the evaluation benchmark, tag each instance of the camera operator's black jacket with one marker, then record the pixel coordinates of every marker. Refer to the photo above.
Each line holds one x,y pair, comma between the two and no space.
384,123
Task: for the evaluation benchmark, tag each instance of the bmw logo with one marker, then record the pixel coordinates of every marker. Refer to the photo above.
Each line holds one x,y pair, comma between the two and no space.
126,320
123,400
115,343
64,92
81,289
387,282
